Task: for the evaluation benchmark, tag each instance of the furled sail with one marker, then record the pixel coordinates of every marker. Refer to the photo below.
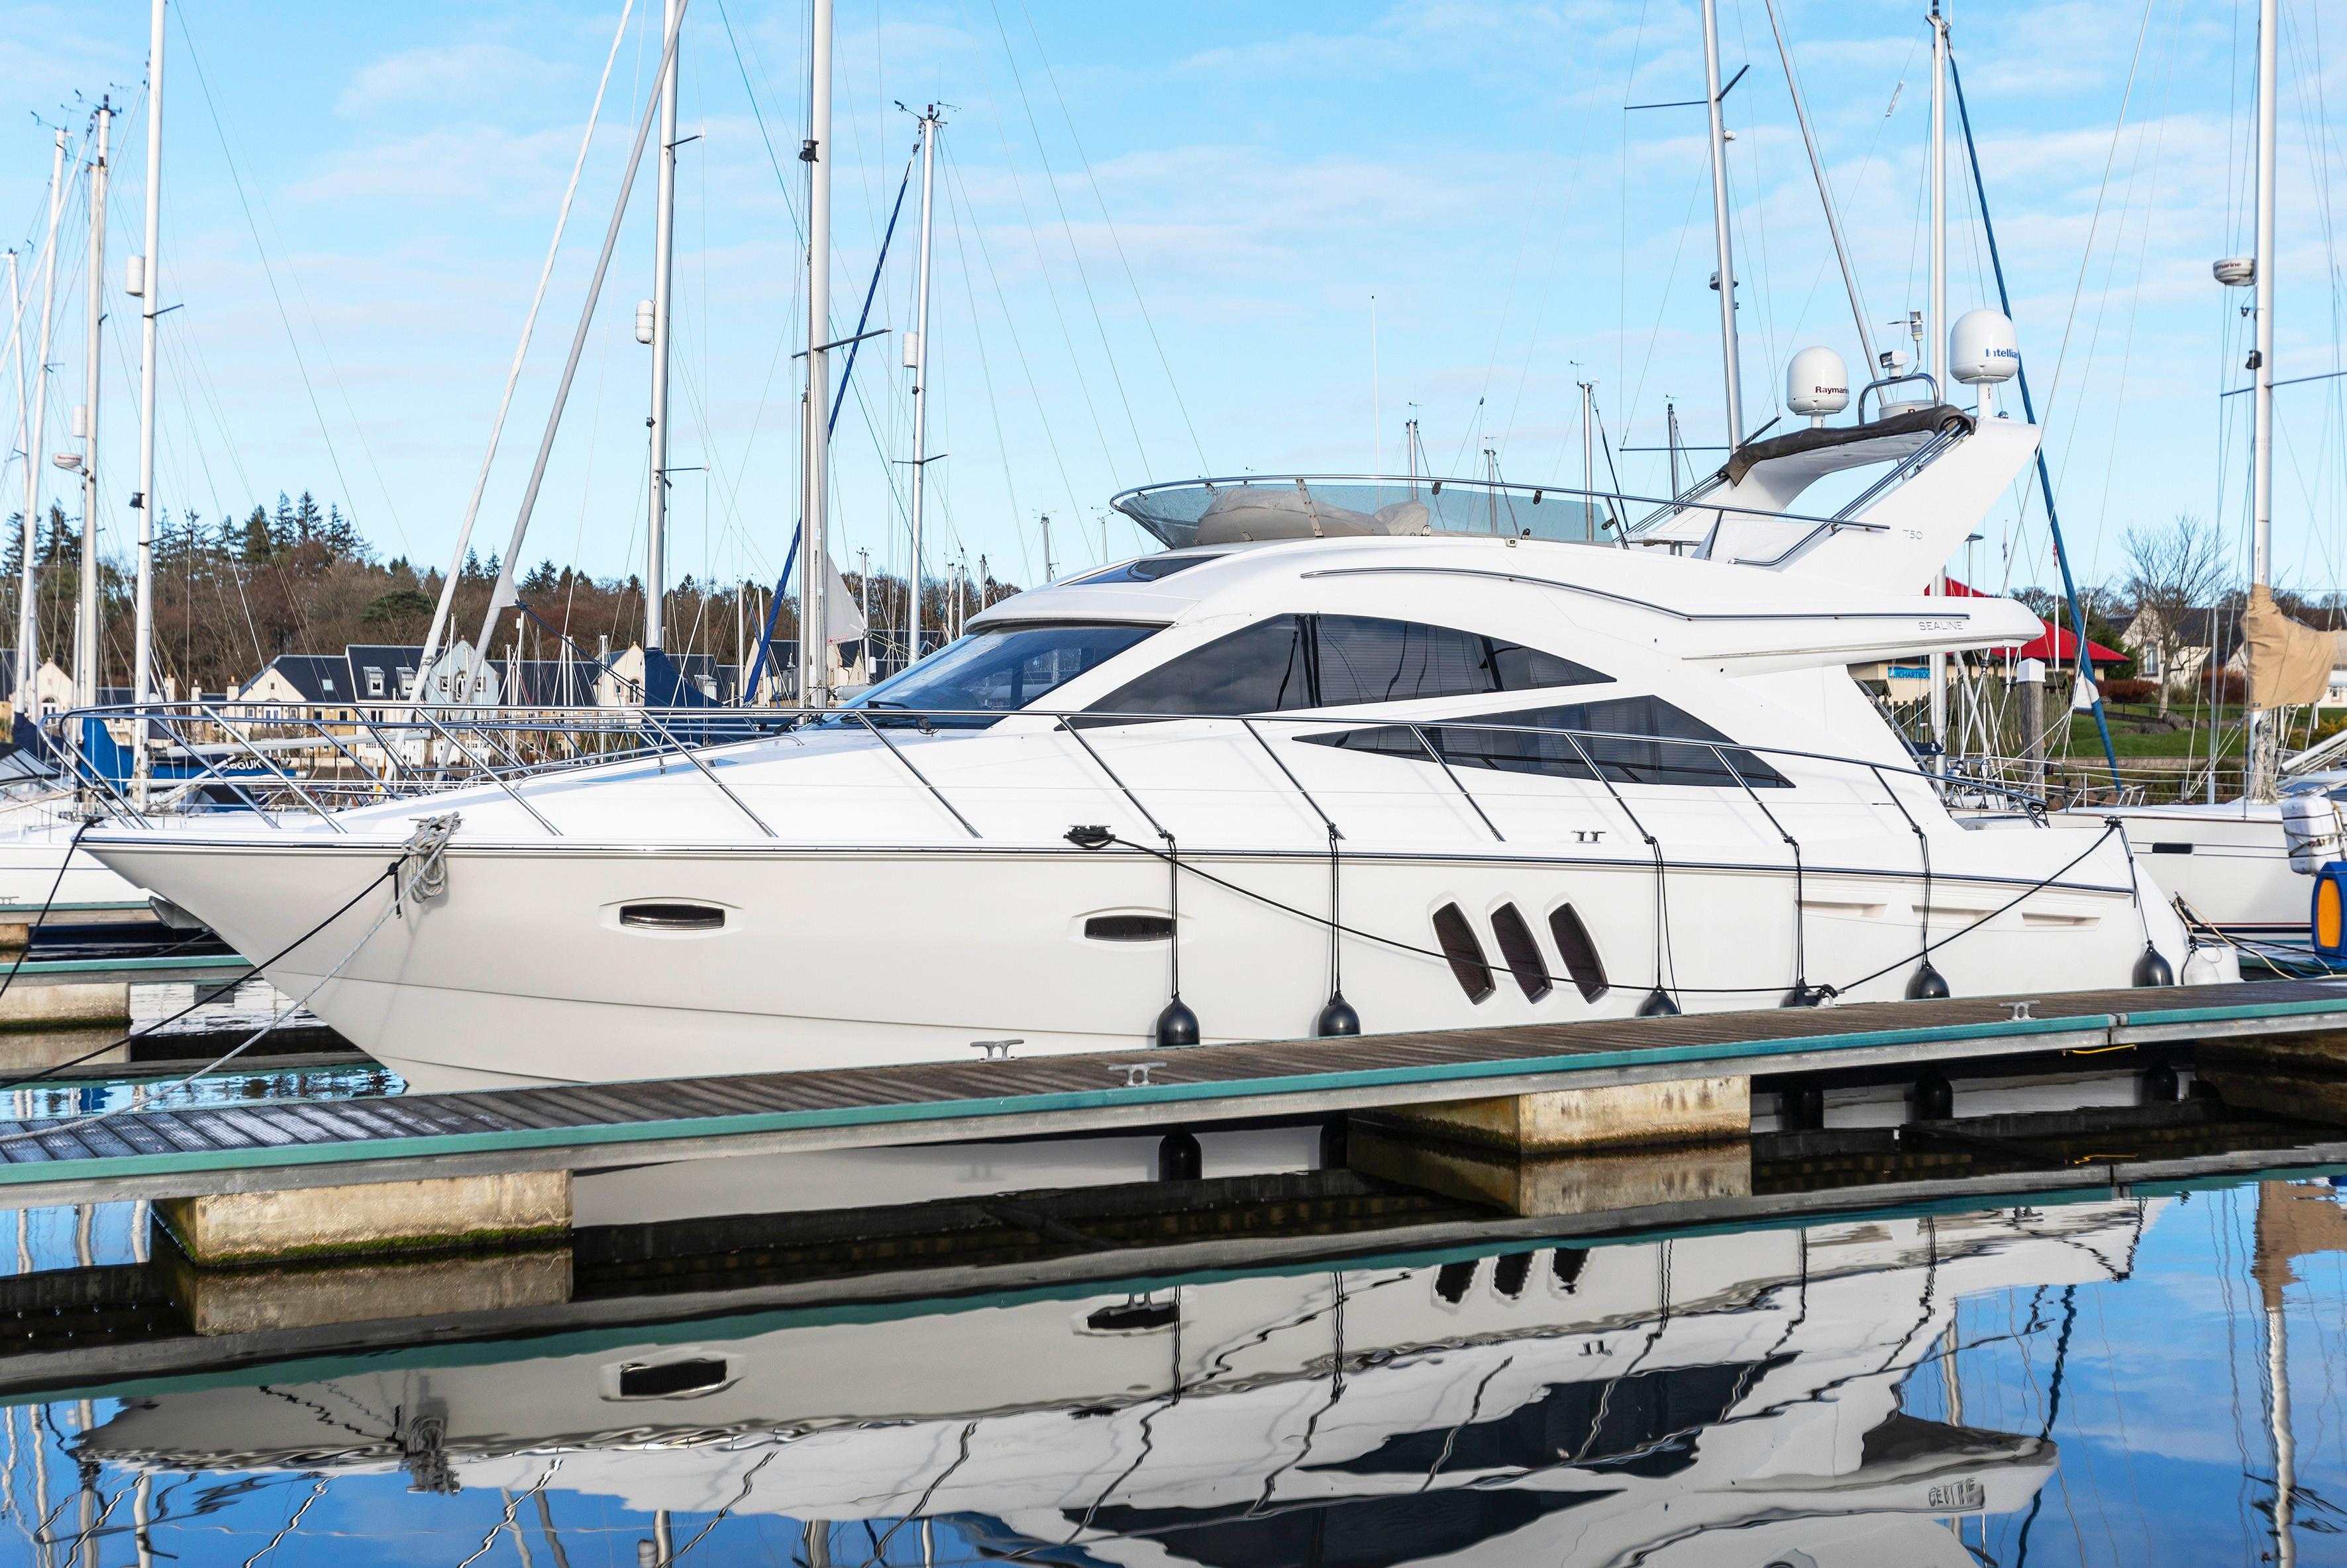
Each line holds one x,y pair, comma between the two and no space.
2289,663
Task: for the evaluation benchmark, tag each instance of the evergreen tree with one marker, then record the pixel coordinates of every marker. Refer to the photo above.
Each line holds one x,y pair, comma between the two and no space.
63,543
258,544
307,523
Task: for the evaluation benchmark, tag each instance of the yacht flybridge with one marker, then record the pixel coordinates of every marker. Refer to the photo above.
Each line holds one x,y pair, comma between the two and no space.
1326,766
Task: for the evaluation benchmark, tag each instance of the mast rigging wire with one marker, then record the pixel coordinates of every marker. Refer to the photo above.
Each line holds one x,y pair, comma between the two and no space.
1116,239
440,612
502,594
2028,407
332,456
1067,228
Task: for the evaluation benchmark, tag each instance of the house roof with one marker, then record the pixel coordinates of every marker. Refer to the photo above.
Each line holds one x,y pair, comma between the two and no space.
542,682
314,677
2054,644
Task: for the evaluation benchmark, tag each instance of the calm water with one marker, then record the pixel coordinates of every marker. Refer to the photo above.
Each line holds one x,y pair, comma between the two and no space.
2079,1383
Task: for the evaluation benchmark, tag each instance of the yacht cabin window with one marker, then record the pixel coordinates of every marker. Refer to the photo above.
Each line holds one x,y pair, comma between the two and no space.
1631,739
973,681
1338,660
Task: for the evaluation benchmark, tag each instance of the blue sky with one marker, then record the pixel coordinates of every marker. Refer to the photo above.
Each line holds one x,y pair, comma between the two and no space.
1159,231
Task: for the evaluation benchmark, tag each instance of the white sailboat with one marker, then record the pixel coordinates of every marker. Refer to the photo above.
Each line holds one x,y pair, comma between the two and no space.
40,865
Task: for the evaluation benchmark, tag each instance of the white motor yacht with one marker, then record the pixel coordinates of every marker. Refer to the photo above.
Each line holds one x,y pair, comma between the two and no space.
1715,1399
1526,781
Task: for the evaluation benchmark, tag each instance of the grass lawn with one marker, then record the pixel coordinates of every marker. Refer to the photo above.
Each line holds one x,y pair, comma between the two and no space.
2134,733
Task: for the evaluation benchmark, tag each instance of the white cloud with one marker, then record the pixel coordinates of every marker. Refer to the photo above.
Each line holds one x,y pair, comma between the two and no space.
451,74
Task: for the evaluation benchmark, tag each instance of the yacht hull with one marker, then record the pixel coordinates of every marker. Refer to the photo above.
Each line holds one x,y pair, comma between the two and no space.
40,867
527,970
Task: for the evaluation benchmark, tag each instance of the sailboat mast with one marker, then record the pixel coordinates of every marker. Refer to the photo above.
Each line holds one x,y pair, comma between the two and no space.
1733,373
1933,347
920,361
1825,195
1588,461
2285,1440
814,569
86,640
663,254
142,651
28,620
23,409
2264,738
1935,335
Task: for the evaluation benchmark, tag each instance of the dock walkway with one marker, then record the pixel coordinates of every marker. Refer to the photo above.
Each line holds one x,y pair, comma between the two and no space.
285,1145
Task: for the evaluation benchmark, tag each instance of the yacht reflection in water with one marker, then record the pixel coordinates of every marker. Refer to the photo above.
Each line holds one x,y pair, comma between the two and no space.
1732,1398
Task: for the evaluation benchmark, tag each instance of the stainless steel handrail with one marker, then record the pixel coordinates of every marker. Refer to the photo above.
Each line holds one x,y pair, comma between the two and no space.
638,733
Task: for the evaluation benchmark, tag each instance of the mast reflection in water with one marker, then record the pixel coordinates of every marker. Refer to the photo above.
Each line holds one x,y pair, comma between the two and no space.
2076,1382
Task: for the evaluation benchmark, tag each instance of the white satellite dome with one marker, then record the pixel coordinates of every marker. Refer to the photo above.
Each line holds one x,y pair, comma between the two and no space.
1817,383
1983,347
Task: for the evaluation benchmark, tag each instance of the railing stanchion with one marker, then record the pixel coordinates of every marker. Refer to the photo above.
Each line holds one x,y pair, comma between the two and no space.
1444,764
1100,763
495,777
706,772
1326,820
916,773
286,779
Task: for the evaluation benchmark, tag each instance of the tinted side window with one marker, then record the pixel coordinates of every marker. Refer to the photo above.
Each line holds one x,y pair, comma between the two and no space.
1337,661
1364,660
1259,670
1367,660
1606,735
1522,669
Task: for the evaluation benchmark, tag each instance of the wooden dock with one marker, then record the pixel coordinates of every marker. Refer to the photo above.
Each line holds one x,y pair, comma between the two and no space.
288,1144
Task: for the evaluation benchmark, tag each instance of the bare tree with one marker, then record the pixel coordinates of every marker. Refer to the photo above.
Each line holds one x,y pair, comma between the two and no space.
2172,571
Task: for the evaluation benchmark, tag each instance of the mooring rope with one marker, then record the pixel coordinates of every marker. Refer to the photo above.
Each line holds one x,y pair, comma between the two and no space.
420,870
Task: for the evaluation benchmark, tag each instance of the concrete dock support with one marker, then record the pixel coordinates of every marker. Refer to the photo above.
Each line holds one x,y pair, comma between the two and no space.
1570,1151
1624,1116
94,1003
311,1296
1589,1182
440,1214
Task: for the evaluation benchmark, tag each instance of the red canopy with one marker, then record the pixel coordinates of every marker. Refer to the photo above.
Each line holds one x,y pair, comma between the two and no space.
2055,645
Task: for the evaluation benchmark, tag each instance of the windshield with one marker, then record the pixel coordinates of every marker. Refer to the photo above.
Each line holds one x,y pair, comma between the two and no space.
997,671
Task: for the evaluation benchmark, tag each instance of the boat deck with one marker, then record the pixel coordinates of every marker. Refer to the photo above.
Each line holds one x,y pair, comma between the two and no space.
282,1144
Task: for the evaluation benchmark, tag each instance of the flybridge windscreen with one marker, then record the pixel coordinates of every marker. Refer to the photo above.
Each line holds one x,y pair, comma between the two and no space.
1219,511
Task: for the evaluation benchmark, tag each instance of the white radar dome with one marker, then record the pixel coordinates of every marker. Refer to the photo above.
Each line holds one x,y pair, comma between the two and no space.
1983,347
1817,382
